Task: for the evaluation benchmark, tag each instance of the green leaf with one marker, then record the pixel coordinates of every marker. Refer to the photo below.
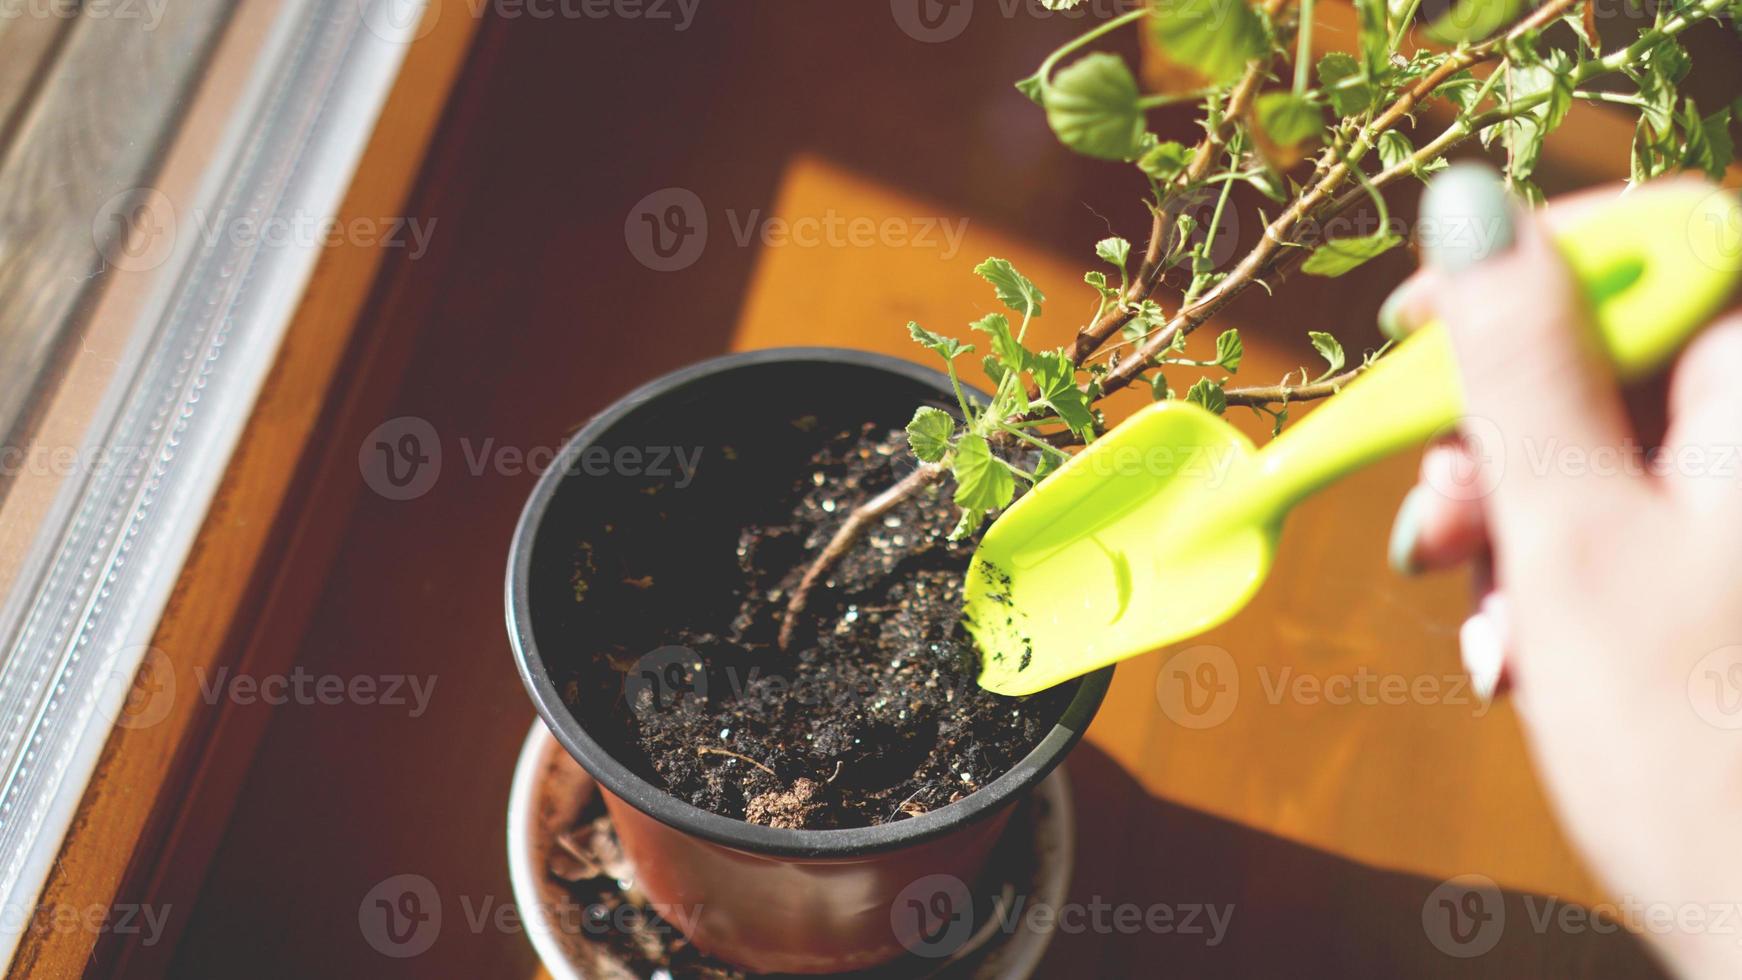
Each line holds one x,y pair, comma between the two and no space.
1092,107
1209,394
982,482
1651,150
1048,465
1098,279
1214,38
1664,67
1344,84
1114,251
1142,322
1035,88
1329,348
1723,147
1013,288
1288,119
1165,161
1158,389
994,370
1472,20
1267,183
969,522
949,347
1184,227
928,435
1639,160
1229,350
1669,59
1706,143
1336,257
1005,347
1522,135
1554,76
1394,148
1582,18
1461,90
1055,377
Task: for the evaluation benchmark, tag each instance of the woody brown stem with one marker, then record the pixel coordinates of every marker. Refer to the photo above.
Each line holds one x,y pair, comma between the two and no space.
1261,395
1150,271
1260,259
847,535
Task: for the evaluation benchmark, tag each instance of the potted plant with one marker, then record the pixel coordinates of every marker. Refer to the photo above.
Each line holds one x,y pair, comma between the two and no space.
757,657
789,798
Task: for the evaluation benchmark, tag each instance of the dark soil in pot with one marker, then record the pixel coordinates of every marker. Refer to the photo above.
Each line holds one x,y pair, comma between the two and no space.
676,583
872,716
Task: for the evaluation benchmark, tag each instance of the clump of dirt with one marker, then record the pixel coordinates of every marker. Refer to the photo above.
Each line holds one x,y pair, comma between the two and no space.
609,930
791,809
874,714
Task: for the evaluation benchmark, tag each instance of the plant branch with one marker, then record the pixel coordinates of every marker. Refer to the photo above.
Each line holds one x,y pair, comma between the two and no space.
1149,272
1278,232
847,534
1467,126
1161,99
1285,239
1271,394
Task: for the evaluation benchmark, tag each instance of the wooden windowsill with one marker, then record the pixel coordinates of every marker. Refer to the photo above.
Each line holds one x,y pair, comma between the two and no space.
133,810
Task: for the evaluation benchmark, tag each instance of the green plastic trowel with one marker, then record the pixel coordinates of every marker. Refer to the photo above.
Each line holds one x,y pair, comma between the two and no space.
1166,527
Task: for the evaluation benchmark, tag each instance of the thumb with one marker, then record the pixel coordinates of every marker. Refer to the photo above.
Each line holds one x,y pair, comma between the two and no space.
1538,391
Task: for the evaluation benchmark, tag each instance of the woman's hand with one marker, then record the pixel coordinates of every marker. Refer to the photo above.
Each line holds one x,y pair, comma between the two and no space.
1609,582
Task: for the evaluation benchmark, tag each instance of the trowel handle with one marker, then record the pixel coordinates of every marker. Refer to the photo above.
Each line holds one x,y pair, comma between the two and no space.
1655,268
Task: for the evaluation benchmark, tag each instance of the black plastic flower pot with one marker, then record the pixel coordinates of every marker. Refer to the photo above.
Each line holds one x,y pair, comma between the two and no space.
771,900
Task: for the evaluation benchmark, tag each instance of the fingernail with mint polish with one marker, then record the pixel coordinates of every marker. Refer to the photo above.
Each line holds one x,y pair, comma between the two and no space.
1467,217
1406,531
